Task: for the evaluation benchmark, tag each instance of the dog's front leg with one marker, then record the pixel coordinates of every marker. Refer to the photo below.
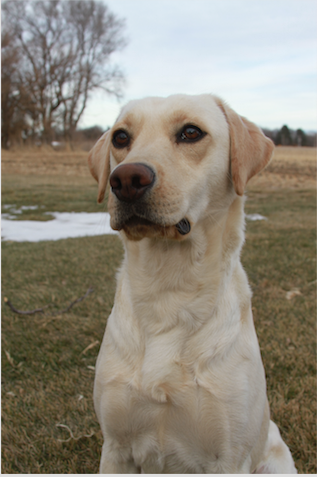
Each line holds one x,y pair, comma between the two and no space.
277,457
115,462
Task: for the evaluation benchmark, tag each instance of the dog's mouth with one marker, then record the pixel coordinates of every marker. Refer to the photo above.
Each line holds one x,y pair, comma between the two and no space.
183,226
134,221
138,227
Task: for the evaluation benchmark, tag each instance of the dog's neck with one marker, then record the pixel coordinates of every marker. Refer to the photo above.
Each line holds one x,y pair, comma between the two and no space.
168,276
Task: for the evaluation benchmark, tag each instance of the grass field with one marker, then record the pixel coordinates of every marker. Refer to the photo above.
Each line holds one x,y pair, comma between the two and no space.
48,420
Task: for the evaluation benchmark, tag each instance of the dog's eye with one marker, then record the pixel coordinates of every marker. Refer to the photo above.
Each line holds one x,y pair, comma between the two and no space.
190,134
120,139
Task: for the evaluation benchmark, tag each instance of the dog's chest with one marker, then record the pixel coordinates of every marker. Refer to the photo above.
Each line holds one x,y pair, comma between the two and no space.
156,396
159,411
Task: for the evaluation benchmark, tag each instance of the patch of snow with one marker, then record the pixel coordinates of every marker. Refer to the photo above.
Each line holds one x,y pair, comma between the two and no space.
64,225
13,212
29,207
255,217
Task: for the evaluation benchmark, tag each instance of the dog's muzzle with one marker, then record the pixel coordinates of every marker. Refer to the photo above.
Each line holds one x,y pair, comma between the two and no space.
130,184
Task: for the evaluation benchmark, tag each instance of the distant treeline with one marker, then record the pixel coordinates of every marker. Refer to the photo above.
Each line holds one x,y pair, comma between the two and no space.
291,137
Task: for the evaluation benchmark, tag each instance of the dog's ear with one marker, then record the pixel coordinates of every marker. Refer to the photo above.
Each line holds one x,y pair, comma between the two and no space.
250,150
99,163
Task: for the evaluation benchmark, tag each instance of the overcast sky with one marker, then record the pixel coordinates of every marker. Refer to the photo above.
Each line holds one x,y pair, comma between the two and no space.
258,55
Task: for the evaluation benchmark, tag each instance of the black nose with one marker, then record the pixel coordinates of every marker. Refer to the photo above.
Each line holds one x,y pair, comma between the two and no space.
129,182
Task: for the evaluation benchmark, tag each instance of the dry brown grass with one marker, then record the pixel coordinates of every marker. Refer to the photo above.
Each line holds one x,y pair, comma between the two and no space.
47,379
45,161
291,167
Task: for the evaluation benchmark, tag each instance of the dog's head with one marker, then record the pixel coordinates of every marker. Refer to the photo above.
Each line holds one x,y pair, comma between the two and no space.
172,162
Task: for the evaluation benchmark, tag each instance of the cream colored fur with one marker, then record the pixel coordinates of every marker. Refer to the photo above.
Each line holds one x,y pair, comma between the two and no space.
180,385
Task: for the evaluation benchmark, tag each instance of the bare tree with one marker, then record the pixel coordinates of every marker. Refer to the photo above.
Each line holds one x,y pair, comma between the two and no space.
14,98
65,49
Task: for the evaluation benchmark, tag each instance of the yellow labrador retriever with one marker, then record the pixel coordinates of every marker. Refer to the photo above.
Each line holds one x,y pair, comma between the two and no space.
180,385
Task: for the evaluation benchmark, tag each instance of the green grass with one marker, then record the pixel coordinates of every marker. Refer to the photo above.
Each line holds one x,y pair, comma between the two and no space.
52,194
280,256
48,380
48,371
